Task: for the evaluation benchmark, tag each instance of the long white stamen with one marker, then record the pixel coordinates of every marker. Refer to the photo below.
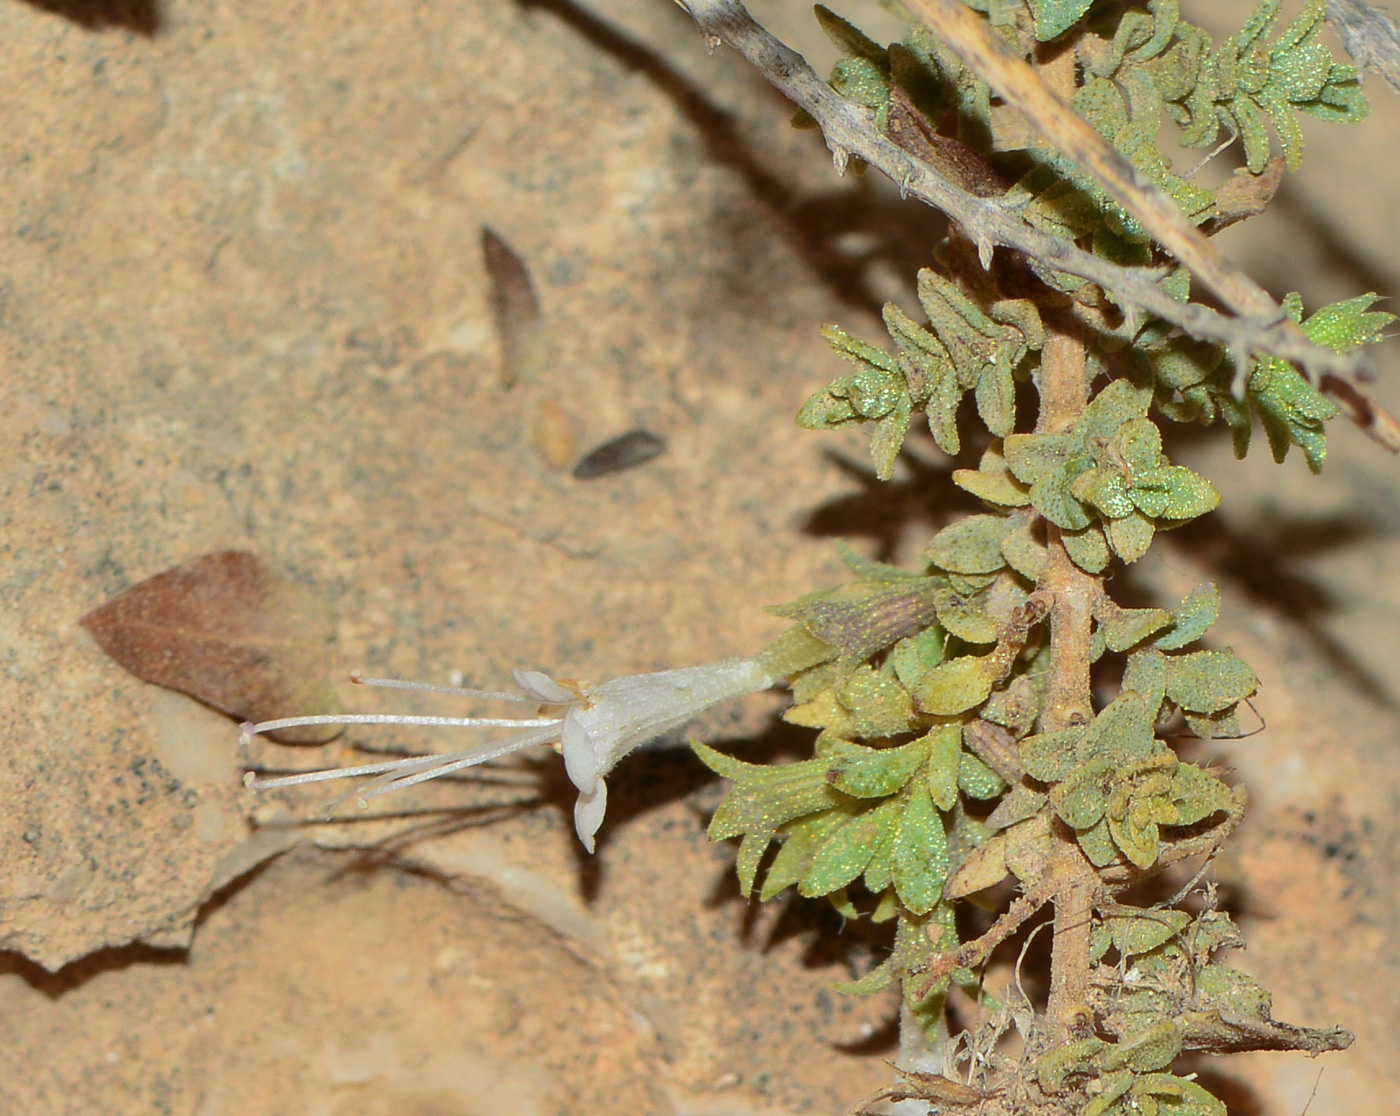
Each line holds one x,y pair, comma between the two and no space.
398,719
256,782
412,769
434,688
455,761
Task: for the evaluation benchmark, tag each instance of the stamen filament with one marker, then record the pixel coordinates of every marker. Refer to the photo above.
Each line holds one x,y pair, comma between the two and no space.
434,688
398,719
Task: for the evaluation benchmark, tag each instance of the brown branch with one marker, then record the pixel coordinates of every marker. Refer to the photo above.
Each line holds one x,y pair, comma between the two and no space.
1370,37
979,49
849,130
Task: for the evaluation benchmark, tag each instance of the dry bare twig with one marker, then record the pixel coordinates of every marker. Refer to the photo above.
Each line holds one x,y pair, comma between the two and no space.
849,130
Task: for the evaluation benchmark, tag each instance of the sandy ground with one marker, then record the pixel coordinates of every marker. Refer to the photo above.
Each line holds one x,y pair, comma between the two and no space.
243,306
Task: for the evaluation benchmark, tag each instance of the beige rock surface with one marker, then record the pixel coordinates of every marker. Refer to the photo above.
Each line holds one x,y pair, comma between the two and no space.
243,306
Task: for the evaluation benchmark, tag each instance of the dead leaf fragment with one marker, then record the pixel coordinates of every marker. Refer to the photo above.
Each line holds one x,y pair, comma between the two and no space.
516,310
225,630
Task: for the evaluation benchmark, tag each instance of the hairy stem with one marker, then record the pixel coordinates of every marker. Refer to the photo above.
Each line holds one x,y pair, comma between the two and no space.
1064,392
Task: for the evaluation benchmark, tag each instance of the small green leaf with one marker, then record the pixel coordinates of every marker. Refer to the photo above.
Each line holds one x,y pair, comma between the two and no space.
916,655
1193,617
1140,933
1130,626
1130,537
1087,549
966,619
1349,324
920,853
996,398
1151,1048
944,758
1053,497
879,873
845,853
1186,1097
1121,733
877,980
1173,492
1056,1065
977,780
992,481
1054,17
878,704
970,546
1197,795
1146,674
1079,800
1023,552
1209,681
800,845
1097,844
1031,457
877,772
1050,756
1106,490
1139,843
956,686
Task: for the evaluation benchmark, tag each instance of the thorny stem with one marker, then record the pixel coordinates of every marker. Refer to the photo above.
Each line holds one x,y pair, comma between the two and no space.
849,130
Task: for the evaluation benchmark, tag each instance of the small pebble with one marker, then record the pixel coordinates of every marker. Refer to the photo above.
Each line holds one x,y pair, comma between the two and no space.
553,434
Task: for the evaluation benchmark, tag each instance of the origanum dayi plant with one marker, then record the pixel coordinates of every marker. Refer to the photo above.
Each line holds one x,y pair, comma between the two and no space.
993,726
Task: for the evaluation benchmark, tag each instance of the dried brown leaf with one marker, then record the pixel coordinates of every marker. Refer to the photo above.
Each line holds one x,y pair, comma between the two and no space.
225,630
516,309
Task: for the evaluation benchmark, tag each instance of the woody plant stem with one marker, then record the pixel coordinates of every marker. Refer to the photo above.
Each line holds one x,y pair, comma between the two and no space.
1064,393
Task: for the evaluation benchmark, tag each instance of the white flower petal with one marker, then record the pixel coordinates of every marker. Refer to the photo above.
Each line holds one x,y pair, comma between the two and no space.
627,712
543,688
588,814
580,759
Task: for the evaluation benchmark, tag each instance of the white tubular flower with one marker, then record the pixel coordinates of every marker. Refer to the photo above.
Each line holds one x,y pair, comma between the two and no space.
594,728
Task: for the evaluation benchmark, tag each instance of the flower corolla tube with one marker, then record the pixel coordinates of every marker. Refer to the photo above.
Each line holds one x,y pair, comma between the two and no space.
594,727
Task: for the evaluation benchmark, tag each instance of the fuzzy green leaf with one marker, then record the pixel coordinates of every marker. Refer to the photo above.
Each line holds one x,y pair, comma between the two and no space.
1031,457
977,780
877,772
1193,617
1087,549
966,618
794,858
1173,492
1177,1096
1146,674
1079,800
1050,756
1130,626
1053,496
944,760
1140,933
1121,733
1054,17
1023,552
1209,681
1150,1048
970,546
1196,795
845,853
1131,536
1097,844
920,853
955,686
